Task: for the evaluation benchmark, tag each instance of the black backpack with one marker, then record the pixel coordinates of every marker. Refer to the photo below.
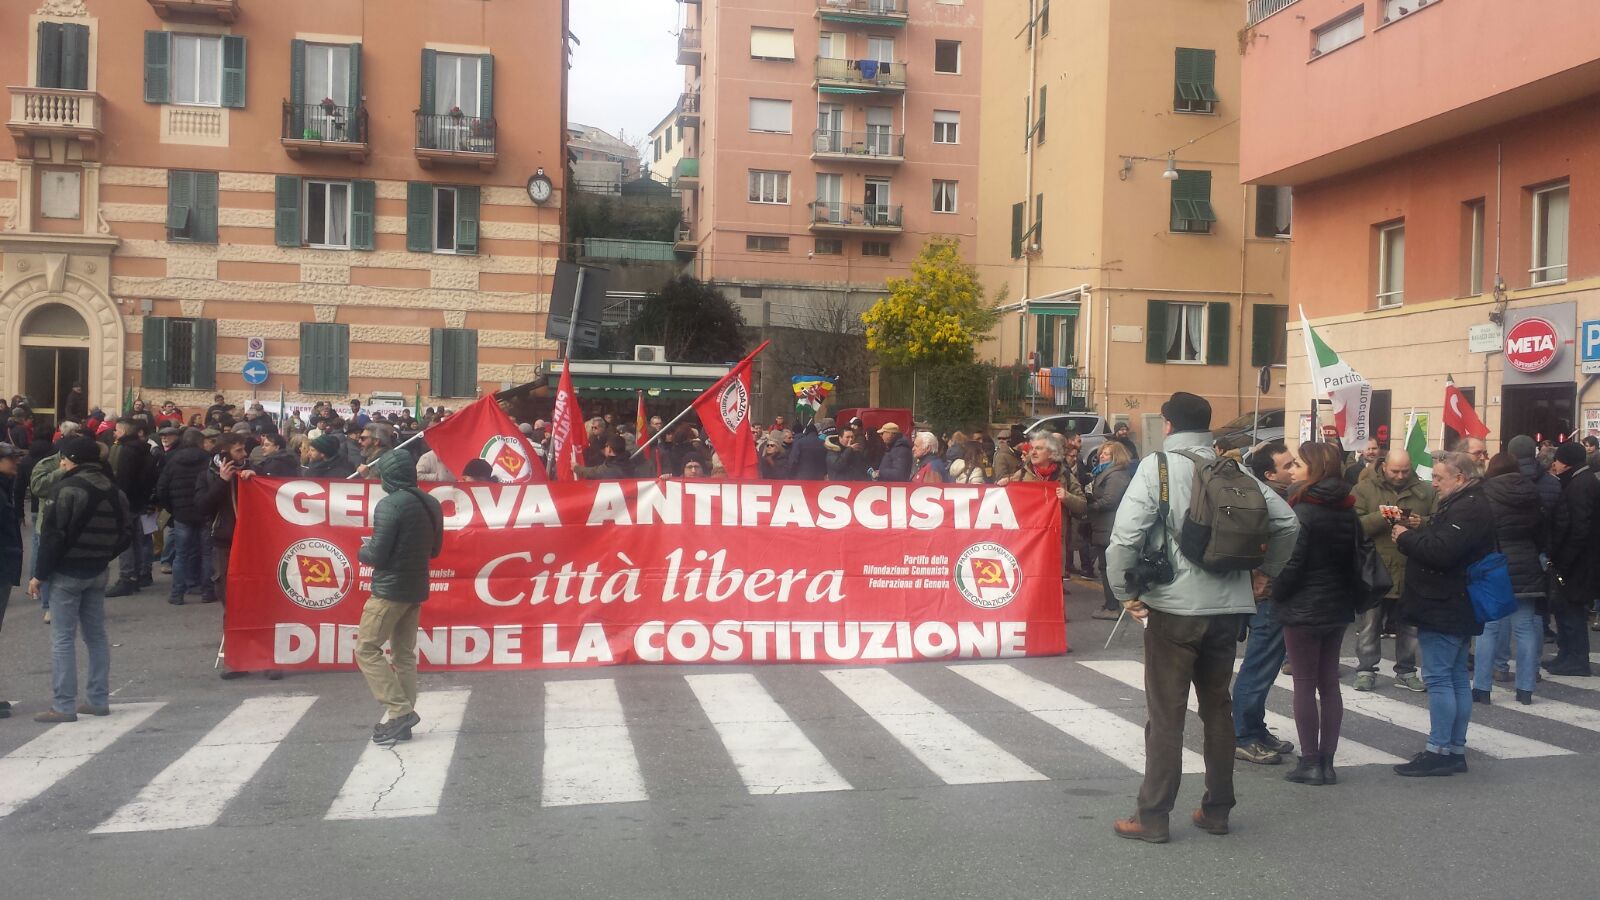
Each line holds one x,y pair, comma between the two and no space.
1226,529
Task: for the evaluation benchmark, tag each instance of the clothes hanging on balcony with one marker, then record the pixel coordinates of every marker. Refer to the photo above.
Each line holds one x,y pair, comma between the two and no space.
868,68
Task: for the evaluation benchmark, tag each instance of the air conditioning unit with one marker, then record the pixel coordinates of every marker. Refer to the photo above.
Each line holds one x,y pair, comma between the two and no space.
649,353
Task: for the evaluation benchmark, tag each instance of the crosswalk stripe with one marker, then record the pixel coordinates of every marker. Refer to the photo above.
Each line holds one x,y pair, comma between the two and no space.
945,744
1571,681
1349,753
1554,710
406,779
588,755
770,751
194,790
1080,720
36,766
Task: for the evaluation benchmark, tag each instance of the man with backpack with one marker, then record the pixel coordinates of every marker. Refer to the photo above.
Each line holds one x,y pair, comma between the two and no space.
1189,532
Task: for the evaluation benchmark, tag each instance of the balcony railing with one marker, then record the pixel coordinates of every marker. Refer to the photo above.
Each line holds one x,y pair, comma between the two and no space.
688,46
689,108
325,128
221,10
1260,9
54,112
856,216
875,12
872,145
456,140
868,73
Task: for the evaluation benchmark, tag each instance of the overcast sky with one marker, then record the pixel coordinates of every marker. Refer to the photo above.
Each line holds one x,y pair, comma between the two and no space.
625,73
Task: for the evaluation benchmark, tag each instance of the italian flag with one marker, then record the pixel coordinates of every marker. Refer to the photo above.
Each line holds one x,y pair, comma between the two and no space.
1417,445
1333,378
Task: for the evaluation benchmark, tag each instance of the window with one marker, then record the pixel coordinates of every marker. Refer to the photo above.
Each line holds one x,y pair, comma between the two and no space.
875,203
1187,333
456,85
194,69
453,362
946,126
875,248
1038,222
1191,202
1044,18
1550,218
771,43
327,75
769,187
947,57
829,247
1391,265
1396,9
766,243
1273,207
192,207
944,196
774,116
749,292
1055,337
658,149
830,45
1195,89
180,353
326,214
1269,345
442,218
197,69
1019,225
63,56
669,140
324,358
1472,283
327,218
1337,33
880,49
325,84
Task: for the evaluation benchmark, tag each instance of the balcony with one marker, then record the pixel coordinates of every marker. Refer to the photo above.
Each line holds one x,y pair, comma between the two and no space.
689,47
859,76
876,218
687,174
872,146
892,13
55,113
224,11
689,109
1260,9
686,241
456,140
322,129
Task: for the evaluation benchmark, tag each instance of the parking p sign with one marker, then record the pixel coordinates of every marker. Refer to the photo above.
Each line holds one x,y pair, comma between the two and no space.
1590,336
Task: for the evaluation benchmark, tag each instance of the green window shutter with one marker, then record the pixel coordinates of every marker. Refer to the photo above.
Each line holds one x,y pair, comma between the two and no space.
1217,334
155,353
1200,195
157,66
311,359
1038,221
324,358
1155,331
438,338
75,57
1038,130
465,362
1185,74
180,204
233,66
363,204
288,216
419,217
1019,220
1205,74
203,228
467,219
486,94
50,55
1027,122
355,76
1261,335
1266,211
297,90
204,362
453,370
339,336
430,64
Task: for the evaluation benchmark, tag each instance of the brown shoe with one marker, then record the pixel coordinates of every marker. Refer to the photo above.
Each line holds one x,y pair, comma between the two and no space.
1131,829
85,709
51,717
1209,826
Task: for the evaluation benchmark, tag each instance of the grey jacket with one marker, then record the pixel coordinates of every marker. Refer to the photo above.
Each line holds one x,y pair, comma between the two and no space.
1194,591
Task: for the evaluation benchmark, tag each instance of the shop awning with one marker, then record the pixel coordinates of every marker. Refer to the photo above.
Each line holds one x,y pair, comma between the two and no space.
829,89
597,378
1042,308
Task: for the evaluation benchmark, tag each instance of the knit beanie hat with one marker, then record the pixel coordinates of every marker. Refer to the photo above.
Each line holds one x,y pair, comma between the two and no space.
327,445
1522,447
1572,454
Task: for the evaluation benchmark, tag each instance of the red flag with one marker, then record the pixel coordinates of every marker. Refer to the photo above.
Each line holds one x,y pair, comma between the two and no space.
1458,413
724,412
316,571
567,437
641,424
483,431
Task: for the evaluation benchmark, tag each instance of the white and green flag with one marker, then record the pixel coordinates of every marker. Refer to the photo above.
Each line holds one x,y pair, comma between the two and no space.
1417,445
1333,378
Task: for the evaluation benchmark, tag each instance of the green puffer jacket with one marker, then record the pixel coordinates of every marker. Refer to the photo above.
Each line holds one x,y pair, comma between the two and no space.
1416,496
407,532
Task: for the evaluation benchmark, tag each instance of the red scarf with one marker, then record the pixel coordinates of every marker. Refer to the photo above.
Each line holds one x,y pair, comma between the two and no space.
1047,473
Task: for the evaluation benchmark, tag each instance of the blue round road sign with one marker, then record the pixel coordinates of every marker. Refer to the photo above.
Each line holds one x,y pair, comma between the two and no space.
255,372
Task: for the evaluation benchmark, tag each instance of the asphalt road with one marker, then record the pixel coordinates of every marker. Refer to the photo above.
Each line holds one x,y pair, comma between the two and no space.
792,782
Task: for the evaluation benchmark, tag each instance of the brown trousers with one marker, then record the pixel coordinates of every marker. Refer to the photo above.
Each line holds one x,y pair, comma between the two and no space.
393,680
1179,651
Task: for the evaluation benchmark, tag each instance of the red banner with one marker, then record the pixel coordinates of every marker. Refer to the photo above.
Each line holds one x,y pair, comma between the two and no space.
604,573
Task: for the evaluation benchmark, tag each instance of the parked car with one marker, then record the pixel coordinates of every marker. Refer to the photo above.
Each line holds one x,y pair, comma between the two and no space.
1092,428
1249,430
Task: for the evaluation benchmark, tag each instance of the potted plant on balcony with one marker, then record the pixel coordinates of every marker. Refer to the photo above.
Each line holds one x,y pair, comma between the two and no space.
455,112
328,106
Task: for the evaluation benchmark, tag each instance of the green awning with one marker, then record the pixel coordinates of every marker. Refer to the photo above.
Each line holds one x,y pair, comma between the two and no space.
1052,309
889,21
829,89
626,385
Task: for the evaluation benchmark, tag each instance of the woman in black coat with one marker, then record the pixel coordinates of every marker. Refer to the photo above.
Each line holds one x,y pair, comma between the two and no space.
1316,601
1112,475
1522,532
1437,601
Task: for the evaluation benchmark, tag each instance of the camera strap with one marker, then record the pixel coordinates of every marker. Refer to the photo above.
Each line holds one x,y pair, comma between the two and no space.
1163,503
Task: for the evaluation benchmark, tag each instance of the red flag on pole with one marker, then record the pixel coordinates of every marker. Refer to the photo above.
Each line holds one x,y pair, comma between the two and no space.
567,437
483,431
641,426
1458,413
724,412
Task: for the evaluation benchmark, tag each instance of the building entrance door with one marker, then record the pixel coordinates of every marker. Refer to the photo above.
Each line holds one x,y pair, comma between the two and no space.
55,356
1541,411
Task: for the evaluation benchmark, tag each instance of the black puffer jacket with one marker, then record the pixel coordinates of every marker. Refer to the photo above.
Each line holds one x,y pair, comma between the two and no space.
1521,530
896,464
180,478
1322,582
1437,558
1105,496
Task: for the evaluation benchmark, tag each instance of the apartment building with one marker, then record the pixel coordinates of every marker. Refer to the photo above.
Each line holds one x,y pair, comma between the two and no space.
336,189
1134,260
666,145
825,141
588,144
1445,163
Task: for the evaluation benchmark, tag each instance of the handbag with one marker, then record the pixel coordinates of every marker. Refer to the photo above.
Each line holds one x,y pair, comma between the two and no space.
1375,578
1489,585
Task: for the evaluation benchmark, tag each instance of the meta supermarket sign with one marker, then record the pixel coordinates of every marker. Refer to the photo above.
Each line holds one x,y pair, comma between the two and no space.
1531,345
1539,344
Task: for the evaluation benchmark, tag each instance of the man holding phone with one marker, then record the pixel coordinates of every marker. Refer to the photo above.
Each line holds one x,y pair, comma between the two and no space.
1396,496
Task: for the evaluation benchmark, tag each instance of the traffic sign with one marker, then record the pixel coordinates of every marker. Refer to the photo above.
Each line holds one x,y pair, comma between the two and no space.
255,372
255,348
1591,348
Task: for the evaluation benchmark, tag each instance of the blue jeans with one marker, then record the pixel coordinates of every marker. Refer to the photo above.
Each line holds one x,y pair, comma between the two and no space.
1444,671
1495,644
76,602
1263,657
187,570
169,550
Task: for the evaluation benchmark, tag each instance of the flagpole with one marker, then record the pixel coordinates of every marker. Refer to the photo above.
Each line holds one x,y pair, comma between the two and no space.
733,372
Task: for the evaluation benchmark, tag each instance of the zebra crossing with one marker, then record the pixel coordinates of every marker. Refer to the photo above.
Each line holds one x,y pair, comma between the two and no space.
956,724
